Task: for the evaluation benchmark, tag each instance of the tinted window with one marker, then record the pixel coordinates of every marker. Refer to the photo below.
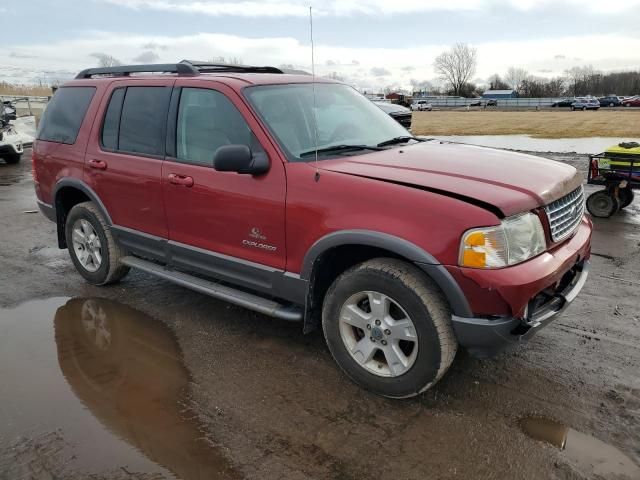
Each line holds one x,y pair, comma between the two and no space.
63,116
112,120
207,120
143,119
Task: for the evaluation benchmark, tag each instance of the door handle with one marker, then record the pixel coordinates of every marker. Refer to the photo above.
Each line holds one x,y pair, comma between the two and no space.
98,164
176,179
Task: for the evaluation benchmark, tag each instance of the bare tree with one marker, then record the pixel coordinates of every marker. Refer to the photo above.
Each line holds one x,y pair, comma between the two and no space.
496,83
516,77
226,61
105,60
456,66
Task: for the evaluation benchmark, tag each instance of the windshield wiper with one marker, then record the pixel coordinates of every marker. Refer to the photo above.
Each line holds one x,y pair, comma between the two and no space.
396,140
338,149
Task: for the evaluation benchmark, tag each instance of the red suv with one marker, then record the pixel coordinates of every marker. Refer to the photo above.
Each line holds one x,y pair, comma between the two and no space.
304,201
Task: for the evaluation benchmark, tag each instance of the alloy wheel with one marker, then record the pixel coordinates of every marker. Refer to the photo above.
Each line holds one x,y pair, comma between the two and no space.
378,334
86,245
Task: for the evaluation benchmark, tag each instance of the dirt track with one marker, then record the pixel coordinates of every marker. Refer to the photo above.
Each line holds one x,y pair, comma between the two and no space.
163,381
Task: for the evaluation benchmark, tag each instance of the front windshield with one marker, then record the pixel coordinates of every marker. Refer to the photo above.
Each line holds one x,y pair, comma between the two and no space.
344,117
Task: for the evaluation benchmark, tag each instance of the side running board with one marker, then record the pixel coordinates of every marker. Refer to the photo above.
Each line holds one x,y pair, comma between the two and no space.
216,290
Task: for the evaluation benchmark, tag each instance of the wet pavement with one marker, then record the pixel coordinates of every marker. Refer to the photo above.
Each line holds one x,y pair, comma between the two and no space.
145,379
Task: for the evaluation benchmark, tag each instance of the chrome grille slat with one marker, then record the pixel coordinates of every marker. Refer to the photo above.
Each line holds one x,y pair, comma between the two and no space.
565,214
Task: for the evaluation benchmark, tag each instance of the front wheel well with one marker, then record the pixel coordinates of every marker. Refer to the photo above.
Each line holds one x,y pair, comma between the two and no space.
328,266
66,199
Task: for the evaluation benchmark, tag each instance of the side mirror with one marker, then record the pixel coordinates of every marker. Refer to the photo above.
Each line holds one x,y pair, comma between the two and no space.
239,159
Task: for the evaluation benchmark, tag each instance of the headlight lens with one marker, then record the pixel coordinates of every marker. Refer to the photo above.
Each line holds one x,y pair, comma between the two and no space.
515,240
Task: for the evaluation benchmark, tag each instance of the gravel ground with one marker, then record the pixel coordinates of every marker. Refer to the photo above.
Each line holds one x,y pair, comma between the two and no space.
148,380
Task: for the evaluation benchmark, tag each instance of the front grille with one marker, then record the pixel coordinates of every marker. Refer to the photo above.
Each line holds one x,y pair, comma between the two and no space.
565,214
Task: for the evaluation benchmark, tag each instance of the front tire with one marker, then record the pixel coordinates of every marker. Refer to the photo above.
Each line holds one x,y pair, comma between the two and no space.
388,326
92,248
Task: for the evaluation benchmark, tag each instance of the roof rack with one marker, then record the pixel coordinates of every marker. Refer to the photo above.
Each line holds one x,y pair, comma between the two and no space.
209,67
125,70
185,67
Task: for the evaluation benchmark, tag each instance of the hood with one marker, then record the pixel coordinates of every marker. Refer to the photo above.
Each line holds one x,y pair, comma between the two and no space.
390,108
511,182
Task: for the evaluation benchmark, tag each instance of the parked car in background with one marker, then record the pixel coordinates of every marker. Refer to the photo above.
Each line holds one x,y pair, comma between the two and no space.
400,114
585,104
11,146
400,250
565,102
631,101
610,101
421,106
484,103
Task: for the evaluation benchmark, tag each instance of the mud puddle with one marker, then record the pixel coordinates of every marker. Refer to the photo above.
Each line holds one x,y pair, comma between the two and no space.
587,453
100,386
531,144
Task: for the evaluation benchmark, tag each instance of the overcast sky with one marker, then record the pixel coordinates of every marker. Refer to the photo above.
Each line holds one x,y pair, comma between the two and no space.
372,43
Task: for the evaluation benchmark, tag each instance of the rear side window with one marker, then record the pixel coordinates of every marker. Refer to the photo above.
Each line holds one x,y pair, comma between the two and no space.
63,116
111,124
143,119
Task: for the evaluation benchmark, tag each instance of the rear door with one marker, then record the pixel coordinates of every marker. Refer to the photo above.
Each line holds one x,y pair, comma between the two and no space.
124,161
222,224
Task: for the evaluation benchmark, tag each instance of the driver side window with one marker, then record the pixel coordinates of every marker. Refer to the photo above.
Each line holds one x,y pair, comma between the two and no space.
208,120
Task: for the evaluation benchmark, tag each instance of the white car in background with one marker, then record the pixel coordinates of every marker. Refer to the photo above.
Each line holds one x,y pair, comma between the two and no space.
421,105
15,133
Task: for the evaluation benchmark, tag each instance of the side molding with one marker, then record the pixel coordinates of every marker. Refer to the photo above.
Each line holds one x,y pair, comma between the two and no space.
427,262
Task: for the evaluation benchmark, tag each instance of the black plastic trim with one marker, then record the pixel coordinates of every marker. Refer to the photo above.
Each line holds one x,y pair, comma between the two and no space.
86,189
427,262
47,210
267,280
143,244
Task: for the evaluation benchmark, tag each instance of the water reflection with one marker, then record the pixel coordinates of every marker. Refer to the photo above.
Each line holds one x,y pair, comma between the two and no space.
125,369
588,453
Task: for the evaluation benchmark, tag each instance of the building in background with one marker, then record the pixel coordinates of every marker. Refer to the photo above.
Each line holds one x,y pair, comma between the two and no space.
498,94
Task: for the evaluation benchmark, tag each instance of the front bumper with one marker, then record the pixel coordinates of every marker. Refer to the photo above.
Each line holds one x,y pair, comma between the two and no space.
484,337
512,304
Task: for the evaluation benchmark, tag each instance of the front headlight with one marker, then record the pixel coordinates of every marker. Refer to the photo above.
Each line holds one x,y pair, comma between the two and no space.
515,240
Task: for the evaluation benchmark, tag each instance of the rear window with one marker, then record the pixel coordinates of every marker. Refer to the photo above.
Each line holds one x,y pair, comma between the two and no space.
63,116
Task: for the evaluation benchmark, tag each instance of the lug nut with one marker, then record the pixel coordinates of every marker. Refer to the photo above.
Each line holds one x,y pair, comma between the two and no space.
387,332
384,342
372,339
368,326
377,322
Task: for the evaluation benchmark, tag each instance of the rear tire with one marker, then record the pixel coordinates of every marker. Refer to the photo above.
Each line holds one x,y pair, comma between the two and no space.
602,204
12,158
406,341
92,248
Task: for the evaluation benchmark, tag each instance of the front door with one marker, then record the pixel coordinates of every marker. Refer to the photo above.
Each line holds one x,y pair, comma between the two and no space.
224,224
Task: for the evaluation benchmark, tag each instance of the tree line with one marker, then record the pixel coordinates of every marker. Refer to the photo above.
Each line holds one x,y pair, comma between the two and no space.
456,67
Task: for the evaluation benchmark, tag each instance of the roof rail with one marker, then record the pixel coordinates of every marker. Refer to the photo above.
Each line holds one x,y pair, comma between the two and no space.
126,70
185,67
209,67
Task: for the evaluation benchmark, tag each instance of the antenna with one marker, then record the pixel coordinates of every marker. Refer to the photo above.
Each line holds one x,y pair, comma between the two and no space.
313,87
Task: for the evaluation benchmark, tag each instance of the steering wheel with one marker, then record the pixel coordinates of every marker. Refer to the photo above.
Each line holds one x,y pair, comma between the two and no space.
343,131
